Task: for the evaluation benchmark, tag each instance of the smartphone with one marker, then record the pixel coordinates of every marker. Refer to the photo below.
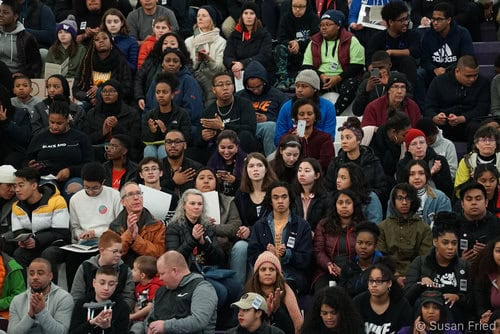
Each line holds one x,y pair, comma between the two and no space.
375,72
301,128
222,172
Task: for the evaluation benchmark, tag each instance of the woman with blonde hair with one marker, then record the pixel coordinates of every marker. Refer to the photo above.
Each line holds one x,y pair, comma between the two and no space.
206,47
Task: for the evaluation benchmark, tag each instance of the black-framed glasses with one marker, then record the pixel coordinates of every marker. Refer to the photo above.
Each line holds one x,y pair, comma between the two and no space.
174,142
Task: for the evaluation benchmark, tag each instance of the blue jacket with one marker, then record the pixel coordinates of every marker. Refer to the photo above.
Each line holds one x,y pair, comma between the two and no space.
129,47
296,261
327,123
445,52
373,210
39,21
188,96
436,201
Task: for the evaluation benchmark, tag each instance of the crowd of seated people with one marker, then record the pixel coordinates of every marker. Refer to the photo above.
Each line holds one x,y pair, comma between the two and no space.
229,109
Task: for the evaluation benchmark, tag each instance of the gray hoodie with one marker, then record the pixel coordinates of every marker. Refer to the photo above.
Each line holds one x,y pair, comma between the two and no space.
8,48
55,318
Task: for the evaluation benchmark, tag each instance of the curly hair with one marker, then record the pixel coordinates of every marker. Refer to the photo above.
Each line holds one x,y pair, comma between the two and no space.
86,68
332,224
156,54
350,321
359,184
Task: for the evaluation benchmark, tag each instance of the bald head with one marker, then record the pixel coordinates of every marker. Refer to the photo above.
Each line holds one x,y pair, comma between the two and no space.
172,268
174,259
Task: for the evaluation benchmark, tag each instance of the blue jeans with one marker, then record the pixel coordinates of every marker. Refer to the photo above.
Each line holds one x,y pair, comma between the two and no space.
238,260
157,151
265,133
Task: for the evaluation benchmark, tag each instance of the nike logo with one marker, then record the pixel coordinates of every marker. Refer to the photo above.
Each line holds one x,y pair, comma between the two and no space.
182,294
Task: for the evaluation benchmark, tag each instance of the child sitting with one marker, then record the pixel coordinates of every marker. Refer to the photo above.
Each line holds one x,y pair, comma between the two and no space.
65,48
147,282
103,311
22,91
161,25
352,276
110,251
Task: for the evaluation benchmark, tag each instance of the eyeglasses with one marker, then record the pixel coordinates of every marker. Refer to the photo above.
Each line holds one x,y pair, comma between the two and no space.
377,281
223,84
402,198
108,91
134,194
486,140
403,19
93,189
438,19
152,169
174,142
398,87
299,7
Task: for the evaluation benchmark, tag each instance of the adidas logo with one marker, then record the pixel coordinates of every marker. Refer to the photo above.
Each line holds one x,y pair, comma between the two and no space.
444,55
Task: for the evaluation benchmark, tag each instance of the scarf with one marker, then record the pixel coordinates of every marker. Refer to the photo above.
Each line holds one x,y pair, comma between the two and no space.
107,64
202,40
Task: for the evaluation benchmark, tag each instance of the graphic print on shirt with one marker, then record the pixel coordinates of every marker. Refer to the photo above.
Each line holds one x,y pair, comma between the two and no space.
444,55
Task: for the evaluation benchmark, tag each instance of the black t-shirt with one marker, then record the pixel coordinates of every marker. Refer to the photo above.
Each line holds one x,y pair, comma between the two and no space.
397,315
445,279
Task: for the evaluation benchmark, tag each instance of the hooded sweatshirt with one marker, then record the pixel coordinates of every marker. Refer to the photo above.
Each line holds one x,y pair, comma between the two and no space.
55,317
403,238
271,99
19,51
445,52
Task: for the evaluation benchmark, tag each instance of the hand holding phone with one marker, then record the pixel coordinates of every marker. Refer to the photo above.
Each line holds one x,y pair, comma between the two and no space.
301,128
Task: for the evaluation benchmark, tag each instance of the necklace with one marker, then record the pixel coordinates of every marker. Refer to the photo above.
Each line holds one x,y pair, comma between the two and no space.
227,113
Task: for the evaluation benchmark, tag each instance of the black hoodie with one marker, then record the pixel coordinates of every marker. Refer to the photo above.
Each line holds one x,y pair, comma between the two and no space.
271,99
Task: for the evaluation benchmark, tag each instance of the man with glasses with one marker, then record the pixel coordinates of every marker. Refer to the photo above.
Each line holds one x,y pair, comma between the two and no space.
110,251
178,170
266,101
338,56
151,171
119,168
92,209
403,234
402,44
227,112
458,100
377,112
140,232
442,46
